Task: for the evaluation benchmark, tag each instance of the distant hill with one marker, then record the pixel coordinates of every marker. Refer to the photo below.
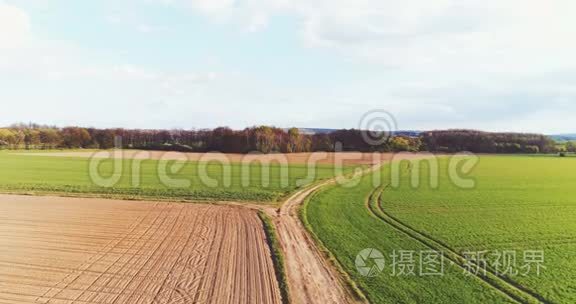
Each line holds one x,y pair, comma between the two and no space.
563,137
409,133
413,133
316,131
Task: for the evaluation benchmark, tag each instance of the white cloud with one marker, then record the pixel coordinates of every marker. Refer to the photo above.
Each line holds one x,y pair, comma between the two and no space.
494,64
507,36
64,76
476,63
14,27
474,36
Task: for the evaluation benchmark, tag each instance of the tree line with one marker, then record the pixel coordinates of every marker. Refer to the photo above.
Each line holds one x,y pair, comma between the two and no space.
487,142
266,139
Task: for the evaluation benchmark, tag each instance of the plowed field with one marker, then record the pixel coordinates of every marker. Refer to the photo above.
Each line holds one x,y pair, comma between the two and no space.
69,250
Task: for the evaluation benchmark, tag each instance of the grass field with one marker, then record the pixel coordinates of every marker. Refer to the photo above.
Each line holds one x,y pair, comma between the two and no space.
519,204
70,175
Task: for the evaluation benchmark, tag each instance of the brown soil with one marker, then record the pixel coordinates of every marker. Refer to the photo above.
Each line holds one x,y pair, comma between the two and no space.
349,158
69,250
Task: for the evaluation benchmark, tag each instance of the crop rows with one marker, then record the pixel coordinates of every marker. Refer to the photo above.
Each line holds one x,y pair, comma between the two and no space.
105,251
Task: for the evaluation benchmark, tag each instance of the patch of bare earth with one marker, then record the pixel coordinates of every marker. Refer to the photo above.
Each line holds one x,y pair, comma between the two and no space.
322,158
69,250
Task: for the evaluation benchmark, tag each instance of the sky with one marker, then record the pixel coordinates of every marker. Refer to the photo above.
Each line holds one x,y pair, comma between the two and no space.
494,65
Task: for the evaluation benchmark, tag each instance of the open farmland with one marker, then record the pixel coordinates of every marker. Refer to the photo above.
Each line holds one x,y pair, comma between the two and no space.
189,176
519,204
67,174
70,250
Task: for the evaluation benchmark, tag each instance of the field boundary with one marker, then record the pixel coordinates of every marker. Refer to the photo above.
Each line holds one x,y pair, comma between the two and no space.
277,256
511,289
148,192
247,204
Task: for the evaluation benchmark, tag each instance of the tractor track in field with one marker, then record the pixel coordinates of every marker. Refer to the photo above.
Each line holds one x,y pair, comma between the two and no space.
507,287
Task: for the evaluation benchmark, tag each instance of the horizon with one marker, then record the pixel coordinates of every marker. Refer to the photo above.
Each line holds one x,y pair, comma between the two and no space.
203,63
41,125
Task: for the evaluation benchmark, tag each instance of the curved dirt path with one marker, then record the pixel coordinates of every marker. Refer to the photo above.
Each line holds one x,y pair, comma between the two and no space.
311,278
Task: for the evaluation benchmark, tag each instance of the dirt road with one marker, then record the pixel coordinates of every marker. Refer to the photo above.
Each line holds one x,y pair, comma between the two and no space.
310,277
69,250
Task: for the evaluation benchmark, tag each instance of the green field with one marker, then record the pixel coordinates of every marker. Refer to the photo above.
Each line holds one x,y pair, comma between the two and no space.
519,204
70,175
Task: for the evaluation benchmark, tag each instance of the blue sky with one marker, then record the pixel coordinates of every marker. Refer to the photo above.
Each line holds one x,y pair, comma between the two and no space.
504,65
